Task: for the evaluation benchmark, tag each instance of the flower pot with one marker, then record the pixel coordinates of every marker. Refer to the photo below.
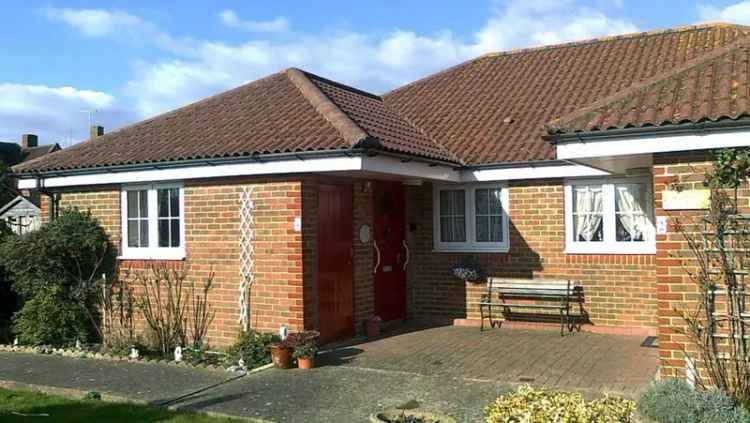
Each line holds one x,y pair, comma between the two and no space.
281,357
372,329
306,362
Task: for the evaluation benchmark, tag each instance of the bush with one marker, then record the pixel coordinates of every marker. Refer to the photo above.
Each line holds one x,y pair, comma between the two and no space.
254,348
674,401
51,319
56,270
530,405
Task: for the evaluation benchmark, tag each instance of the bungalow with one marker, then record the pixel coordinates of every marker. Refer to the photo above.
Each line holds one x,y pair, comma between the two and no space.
317,204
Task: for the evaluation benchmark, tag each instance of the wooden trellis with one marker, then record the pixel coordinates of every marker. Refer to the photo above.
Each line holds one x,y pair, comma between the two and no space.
247,253
727,262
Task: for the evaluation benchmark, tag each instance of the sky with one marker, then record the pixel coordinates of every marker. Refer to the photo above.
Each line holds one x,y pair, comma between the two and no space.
66,64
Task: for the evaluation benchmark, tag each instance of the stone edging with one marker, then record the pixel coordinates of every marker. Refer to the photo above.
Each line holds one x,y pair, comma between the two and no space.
74,353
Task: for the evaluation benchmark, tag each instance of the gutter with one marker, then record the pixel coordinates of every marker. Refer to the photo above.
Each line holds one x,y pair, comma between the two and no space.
257,158
693,128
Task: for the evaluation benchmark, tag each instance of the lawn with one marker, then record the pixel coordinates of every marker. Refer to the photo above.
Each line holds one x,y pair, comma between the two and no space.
61,410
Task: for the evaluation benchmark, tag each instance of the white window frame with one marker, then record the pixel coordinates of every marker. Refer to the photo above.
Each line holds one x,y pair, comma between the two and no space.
609,244
470,245
153,251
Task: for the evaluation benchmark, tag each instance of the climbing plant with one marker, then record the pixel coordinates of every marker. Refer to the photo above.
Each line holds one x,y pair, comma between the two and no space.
719,243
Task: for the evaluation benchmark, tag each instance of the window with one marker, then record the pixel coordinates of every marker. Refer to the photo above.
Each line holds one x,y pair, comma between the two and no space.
153,222
612,216
471,218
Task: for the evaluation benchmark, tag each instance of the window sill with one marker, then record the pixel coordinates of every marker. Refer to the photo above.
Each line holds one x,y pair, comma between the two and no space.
470,250
604,249
177,254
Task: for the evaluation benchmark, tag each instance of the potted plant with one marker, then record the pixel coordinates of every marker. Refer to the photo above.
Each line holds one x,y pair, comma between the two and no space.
469,270
306,349
281,353
372,326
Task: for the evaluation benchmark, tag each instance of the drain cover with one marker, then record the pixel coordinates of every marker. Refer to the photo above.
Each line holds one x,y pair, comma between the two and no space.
526,379
650,342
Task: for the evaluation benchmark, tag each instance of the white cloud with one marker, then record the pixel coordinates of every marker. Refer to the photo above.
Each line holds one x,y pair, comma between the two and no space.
736,13
116,24
54,113
230,19
95,23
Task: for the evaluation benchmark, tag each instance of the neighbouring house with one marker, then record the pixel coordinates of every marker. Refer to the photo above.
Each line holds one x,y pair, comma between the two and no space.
337,204
21,212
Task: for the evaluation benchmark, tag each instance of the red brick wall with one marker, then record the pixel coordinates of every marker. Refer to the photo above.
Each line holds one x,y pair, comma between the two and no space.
620,290
676,293
212,240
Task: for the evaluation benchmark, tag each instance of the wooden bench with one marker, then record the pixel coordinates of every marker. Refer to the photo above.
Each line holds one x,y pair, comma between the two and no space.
507,293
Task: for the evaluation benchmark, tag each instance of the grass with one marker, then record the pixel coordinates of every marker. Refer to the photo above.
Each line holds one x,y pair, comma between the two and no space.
61,410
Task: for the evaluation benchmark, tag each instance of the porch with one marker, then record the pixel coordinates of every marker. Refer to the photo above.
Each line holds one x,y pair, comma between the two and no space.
587,362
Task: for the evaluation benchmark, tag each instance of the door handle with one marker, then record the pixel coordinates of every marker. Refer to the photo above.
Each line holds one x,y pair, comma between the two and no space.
408,254
377,260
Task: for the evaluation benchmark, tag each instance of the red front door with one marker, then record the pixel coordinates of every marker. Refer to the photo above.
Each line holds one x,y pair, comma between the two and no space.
391,253
335,266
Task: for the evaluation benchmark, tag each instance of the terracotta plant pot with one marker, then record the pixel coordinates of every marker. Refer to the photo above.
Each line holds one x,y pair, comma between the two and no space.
306,362
281,357
372,329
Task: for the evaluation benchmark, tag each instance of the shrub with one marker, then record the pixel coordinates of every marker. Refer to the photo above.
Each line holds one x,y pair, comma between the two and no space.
52,319
254,348
673,401
62,261
530,405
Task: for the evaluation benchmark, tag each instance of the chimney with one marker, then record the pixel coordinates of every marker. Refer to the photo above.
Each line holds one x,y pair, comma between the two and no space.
29,140
96,131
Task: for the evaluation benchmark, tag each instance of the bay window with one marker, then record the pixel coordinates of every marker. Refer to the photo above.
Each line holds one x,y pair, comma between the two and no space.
609,216
471,218
153,224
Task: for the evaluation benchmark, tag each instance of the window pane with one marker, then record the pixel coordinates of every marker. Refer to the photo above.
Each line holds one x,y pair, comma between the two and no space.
452,216
175,230
630,206
143,233
481,197
496,229
483,228
133,233
588,213
163,200
496,207
143,203
163,232
132,204
174,202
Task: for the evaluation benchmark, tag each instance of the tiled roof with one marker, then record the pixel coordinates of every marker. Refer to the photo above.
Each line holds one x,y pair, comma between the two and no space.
493,109
713,87
291,111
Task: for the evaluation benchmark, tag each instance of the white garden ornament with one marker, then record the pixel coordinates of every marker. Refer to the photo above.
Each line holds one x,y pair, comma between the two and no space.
247,252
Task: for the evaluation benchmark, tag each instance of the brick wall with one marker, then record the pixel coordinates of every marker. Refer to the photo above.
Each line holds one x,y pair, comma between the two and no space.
676,293
620,290
212,240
